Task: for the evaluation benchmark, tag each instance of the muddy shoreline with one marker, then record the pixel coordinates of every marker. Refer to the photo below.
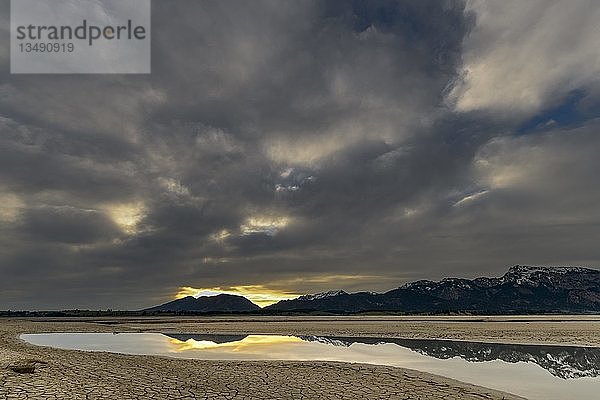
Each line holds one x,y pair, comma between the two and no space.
69,374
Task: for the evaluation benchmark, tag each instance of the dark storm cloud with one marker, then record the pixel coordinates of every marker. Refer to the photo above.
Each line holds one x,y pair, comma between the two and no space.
68,225
304,146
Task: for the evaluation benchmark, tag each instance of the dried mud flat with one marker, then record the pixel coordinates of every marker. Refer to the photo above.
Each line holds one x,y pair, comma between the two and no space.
64,374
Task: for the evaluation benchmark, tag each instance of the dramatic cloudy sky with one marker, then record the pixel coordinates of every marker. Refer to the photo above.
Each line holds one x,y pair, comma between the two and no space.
286,147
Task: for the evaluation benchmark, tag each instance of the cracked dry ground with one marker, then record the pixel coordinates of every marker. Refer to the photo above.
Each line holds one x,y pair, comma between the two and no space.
61,374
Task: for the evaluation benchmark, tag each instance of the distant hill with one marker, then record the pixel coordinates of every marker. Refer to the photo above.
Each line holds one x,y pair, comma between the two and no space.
219,303
522,289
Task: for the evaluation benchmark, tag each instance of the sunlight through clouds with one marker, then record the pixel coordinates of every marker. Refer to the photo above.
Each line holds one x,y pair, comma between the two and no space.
258,294
127,215
10,205
264,224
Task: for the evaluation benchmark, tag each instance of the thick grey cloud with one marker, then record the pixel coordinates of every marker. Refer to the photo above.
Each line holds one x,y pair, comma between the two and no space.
301,146
524,56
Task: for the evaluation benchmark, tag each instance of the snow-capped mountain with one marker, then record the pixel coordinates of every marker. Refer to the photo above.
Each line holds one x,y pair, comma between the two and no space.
522,274
523,289
323,295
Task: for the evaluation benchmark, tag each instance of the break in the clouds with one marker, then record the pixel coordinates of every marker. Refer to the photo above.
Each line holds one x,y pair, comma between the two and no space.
289,147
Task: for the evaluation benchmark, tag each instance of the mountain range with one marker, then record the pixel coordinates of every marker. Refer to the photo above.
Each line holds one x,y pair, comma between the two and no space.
523,289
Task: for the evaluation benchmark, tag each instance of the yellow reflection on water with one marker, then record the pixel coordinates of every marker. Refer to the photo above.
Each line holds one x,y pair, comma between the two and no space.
249,344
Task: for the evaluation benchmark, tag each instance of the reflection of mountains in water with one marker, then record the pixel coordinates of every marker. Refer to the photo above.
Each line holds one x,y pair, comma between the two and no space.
219,339
565,362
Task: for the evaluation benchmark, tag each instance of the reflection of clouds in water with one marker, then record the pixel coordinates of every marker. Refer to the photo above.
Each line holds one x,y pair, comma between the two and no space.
565,362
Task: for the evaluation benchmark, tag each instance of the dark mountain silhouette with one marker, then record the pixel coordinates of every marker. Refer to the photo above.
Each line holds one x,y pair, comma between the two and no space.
201,337
219,303
522,289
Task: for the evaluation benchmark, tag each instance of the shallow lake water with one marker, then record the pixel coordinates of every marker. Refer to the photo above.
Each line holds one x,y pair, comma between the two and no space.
535,372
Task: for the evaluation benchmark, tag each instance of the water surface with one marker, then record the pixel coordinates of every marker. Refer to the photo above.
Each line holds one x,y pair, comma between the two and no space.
535,372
